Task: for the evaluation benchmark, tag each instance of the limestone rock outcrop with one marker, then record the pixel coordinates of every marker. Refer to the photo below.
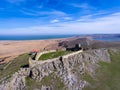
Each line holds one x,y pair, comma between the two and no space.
70,69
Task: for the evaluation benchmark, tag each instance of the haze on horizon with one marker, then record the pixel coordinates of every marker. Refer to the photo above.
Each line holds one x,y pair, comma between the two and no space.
59,17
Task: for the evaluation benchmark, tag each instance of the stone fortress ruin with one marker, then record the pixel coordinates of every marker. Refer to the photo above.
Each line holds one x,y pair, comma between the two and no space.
35,60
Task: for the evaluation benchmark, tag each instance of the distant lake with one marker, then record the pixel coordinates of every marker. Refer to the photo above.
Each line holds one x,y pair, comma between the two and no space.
33,37
43,37
108,39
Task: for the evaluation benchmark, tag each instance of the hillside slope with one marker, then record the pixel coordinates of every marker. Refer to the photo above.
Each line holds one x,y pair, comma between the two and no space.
84,71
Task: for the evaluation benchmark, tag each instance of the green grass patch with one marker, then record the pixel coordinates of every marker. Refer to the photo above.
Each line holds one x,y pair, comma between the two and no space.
13,66
53,55
108,75
88,78
31,84
52,80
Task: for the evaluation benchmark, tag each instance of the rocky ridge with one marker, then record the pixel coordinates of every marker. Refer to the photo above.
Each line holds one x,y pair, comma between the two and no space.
71,70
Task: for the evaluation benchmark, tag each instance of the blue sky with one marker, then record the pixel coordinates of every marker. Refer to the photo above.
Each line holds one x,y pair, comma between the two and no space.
59,16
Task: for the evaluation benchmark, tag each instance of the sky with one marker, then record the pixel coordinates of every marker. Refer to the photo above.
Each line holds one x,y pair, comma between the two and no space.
46,17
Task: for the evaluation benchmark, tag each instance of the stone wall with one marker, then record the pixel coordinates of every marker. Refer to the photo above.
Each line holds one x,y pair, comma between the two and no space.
33,63
40,53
